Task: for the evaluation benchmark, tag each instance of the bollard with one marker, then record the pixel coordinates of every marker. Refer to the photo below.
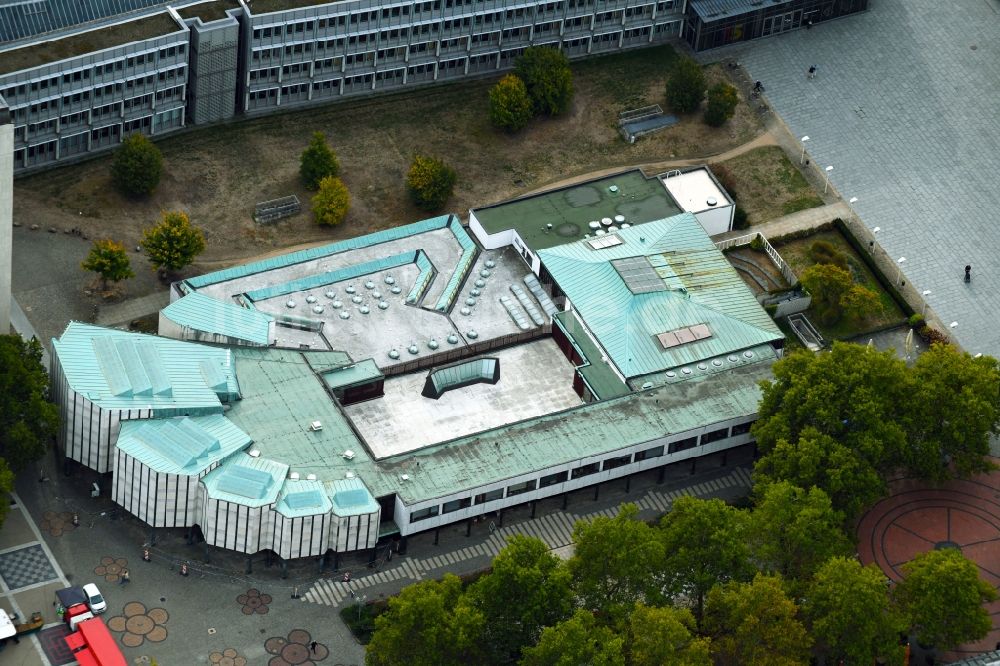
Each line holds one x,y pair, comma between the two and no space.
184,569
295,592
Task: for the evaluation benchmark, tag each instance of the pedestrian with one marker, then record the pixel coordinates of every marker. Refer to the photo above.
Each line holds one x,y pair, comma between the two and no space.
812,72
312,647
968,273
124,577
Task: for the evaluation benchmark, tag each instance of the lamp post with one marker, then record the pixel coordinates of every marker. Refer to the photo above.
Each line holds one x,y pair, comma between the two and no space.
826,186
802,157
953,324
851,202
899,269
925,293
871,243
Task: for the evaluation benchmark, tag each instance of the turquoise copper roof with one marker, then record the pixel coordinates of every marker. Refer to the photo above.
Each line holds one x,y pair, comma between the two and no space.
122,370
300,497
243,479
186,445
351,497
626,308
201,313
357,373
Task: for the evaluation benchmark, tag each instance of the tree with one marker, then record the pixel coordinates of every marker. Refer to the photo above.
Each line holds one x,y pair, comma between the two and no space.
705,543
173,243
755,623
685,86
617,562
852,616
6,486
510,105
943,595
835,293
793,531
578,640
331,203
317,162
722,101
27,419
137,166
527,589
548,79
109,260
666,637
956,407
427,624
430,182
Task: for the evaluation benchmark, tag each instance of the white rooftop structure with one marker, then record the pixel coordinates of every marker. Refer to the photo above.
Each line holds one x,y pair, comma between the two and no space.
698,192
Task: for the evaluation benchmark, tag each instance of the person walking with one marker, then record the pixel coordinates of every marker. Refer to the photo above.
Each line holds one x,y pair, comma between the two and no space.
312,647
124,579
812,72
968,273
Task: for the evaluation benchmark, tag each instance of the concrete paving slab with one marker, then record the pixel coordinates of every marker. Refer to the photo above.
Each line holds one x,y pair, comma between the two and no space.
16,531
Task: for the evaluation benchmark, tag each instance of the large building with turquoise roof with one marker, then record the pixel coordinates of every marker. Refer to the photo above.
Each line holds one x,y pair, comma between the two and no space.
327,400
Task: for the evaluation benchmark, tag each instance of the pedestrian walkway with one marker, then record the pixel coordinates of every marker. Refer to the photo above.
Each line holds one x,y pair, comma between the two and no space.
132,309
555,529
787,224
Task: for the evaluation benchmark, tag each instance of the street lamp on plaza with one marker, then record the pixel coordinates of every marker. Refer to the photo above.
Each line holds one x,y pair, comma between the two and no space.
899,269
871,243
802,157
925,293
827,174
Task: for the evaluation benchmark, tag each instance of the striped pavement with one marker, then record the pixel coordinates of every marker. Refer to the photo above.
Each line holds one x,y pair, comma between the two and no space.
555,529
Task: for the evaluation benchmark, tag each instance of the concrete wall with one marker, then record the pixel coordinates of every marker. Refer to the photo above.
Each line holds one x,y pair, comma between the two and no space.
716,220
6,212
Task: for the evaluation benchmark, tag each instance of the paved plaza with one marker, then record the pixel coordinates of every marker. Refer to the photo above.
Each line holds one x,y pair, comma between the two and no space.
904,108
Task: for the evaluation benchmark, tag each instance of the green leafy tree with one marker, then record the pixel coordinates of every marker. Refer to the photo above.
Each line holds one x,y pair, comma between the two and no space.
705,543
617,562
666,637
793,531
137,166
685,86
835,293
578,640
527,589
331,203
722,101
834,421
510,105
317,162
428,624
852,616
430,182
109,260
943,596
548,79
6,486
27,419
955,406
174,242
755,623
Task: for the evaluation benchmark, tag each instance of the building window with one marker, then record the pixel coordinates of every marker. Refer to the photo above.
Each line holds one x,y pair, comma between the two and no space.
585,470
742,428
619,461
519,488
654,452
455,505
682,445
424,514
552,479
489,496
714,436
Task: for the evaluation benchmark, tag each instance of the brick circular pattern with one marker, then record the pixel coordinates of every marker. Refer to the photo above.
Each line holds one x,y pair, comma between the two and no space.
295,650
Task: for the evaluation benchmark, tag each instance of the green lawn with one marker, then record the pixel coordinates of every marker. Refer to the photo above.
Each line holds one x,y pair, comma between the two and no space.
767,185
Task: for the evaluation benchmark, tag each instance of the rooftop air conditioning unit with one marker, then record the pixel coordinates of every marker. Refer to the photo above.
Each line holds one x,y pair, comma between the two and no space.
316,426
349,475
294,476
347,455
254,453
404,477
310,477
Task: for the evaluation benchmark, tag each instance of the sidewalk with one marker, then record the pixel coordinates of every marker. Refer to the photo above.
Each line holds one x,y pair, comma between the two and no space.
132,309
802,220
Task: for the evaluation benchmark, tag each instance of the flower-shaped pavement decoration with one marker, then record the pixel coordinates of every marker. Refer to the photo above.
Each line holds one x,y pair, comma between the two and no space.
228,657
140,625
111,568
254,602
296,650
57,523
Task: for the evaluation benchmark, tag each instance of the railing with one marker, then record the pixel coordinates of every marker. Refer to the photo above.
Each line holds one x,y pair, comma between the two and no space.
779,262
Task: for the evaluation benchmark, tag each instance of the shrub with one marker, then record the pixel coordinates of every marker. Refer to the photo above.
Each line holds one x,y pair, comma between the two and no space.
331,203
824,252
174,242
722,101
916,321
430,182
726,178
109,260
740,219
685,86
757,243
547,78
317,162
137,166
510,105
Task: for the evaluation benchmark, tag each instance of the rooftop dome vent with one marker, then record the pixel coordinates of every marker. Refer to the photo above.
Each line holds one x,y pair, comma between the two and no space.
254,453
347,455
712,201
316,426
289,303
393,354
390,280
404,477
310,299
350,289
